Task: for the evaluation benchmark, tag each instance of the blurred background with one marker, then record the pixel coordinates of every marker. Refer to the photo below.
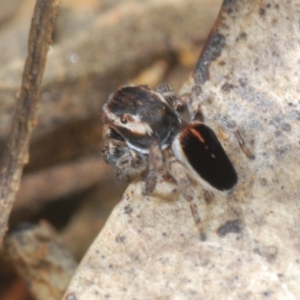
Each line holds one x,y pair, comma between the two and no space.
97,46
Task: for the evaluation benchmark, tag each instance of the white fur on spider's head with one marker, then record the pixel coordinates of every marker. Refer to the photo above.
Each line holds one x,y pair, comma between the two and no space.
133,122
135,125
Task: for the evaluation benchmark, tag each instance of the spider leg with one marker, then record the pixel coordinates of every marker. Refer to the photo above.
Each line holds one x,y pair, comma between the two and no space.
231,126
198,113
167,92
156,161
179,104
184,105
176,103
178,172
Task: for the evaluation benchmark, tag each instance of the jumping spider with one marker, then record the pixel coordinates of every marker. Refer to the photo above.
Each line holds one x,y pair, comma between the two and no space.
152,132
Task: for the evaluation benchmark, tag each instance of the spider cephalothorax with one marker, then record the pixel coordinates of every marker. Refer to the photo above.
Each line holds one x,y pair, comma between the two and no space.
154,131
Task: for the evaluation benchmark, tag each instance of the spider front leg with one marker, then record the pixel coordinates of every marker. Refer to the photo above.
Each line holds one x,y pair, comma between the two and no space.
156,161
127,163
178,172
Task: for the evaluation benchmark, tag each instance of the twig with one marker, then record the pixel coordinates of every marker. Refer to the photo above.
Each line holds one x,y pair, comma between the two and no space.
16,153
36,189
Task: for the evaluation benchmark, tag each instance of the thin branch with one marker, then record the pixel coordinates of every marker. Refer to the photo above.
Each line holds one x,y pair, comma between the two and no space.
16,154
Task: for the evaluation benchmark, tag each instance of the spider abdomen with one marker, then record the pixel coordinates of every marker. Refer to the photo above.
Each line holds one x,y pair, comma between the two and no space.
198,147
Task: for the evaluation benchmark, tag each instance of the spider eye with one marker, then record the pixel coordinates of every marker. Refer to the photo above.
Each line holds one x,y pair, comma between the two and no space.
123,120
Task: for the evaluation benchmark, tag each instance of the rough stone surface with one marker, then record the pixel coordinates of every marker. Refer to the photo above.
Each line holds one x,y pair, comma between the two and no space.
149,248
